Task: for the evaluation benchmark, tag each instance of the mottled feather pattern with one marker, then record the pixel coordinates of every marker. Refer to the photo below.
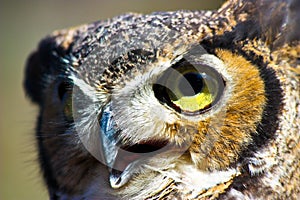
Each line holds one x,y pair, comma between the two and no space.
106,130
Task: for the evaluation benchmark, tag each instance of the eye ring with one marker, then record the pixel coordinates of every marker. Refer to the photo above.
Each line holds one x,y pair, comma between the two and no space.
190,89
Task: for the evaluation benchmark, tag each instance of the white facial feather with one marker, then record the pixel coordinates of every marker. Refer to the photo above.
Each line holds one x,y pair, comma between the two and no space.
137,112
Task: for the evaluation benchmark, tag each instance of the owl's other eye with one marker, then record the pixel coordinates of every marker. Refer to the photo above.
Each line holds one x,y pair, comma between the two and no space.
65,96
189,88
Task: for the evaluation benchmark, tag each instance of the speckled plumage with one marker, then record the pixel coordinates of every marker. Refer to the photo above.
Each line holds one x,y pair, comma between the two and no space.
102,111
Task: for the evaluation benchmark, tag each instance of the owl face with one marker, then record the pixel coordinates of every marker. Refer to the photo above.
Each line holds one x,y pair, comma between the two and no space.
151,106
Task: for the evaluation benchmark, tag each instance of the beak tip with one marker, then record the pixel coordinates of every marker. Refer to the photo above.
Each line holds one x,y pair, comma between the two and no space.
115,182
117,179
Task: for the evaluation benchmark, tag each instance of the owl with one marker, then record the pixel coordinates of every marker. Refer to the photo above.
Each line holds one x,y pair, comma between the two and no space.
172,105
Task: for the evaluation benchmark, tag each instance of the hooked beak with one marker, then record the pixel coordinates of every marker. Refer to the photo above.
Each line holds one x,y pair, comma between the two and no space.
123,160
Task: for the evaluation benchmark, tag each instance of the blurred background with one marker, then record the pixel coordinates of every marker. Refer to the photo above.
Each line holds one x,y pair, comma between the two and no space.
22,25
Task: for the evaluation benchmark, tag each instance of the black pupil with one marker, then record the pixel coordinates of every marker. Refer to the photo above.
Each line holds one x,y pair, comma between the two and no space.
190,84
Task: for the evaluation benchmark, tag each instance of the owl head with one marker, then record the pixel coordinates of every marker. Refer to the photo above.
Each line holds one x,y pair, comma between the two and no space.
167,105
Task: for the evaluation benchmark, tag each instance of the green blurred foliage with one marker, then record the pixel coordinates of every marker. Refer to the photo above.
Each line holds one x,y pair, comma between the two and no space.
22,25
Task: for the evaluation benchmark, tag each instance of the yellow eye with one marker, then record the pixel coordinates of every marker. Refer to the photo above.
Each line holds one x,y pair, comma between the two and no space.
189,88
68,108
65,95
